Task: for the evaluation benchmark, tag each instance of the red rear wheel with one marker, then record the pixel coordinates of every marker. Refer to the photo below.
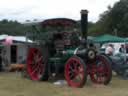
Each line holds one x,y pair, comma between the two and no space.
36,64
100,71
75,72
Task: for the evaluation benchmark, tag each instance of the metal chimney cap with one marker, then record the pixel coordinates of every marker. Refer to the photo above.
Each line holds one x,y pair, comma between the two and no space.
84,11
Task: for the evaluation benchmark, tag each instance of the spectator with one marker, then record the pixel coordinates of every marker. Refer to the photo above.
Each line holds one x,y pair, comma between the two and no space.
109,50
122,49
126,48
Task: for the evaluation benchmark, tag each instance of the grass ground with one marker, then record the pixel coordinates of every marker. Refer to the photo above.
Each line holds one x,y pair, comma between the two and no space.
12,84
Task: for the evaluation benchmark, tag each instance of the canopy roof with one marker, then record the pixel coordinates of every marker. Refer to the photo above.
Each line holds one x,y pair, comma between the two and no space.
108,38
63,22
126,39
14,38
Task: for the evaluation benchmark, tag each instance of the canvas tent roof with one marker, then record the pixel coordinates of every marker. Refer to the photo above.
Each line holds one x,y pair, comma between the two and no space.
126,39
108,38
21,39
2,37
15,38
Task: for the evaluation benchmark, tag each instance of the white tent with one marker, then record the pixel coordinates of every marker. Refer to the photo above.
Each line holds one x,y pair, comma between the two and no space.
16,51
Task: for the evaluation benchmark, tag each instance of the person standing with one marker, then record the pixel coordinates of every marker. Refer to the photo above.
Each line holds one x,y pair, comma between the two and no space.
109,50
122,49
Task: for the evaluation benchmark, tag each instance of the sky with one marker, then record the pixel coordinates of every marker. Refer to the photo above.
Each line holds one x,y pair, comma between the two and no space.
23,10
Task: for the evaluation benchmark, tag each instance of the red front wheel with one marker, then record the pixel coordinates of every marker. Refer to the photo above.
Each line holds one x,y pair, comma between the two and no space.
75,72
100,71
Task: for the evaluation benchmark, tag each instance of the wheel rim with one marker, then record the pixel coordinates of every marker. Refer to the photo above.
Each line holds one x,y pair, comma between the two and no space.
74,72
100,71
35,64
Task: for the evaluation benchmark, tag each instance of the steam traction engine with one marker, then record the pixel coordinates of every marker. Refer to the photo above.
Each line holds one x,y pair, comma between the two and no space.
62,52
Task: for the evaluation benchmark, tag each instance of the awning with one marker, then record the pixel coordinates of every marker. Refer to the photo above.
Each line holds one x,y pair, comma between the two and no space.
108,38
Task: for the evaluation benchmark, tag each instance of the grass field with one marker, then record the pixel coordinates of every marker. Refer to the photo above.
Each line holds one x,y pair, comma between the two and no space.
12,84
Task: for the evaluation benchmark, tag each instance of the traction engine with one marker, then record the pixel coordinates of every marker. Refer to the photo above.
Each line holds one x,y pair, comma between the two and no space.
58,49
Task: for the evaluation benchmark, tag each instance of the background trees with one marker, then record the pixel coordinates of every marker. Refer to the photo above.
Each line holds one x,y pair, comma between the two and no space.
113,21
13,28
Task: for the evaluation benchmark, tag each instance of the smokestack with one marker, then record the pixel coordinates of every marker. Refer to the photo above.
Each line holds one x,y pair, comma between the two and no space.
84,23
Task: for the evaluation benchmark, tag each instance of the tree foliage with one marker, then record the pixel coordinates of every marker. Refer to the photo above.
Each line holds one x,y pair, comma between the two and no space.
113,21
12,28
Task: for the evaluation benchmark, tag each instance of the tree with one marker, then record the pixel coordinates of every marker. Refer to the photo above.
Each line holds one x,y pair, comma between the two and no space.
13,28
114,20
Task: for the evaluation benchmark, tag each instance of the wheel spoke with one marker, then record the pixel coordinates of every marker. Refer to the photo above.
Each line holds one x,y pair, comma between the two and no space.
99,79
33,52
76,79
37,58
71,76
35,70
79,71
40,58
76,68
71,69
40,63
34,66
41,68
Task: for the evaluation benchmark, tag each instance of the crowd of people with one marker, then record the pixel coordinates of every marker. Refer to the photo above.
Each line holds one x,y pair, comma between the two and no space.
110,50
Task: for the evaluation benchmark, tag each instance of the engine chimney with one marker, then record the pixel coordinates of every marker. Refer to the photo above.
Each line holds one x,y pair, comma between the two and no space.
84,23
